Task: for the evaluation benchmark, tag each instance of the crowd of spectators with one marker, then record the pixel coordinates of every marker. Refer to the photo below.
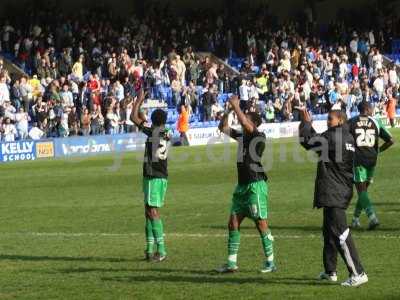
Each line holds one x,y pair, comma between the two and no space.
85,70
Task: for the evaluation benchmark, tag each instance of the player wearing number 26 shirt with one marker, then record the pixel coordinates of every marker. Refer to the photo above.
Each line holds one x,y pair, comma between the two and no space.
155,174
366,132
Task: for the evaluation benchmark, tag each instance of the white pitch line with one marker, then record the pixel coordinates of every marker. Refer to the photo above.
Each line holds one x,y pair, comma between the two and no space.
181,235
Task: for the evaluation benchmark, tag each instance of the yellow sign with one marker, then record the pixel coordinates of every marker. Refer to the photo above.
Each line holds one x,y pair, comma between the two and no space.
44,149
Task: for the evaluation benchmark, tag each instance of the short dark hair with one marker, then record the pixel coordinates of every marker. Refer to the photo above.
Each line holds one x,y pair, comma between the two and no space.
340,114
363,106
255,118
159,117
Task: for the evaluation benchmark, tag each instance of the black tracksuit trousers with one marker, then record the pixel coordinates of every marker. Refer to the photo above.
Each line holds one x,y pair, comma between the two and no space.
337,238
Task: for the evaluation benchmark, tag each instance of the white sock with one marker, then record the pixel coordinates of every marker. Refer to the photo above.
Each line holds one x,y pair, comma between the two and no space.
270,258
372,217
232,258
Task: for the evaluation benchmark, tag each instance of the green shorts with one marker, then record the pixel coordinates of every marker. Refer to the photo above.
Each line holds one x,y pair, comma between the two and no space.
363,174
251,200
154,190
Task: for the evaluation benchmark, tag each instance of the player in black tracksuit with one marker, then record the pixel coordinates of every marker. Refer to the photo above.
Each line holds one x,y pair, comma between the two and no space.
333,192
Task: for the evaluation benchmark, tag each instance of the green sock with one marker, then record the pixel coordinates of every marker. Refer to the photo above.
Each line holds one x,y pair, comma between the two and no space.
267,242
149,236
158,232
233,246
359,207
367,205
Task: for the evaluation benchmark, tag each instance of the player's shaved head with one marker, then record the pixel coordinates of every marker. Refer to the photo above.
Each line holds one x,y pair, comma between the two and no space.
159,117
255,118
365,108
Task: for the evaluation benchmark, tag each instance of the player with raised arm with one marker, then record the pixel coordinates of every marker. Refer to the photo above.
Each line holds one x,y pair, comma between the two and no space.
367,131
333,192
250,198
155,176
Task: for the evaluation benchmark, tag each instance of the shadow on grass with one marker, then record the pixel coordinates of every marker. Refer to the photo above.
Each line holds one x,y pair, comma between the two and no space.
387,204
62,258
217,279
384,229
273,227
191,276
134,270
225,227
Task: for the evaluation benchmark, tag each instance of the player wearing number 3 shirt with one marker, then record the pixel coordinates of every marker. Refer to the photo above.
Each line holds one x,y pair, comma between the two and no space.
366,132
155,177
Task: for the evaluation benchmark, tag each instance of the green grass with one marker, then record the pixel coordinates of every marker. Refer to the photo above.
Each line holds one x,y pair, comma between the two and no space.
73,229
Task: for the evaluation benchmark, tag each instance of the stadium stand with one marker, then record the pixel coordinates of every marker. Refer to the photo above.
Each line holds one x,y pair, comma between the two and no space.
86,73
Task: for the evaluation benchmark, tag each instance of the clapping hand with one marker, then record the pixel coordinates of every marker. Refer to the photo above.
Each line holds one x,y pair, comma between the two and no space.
234,101
305,115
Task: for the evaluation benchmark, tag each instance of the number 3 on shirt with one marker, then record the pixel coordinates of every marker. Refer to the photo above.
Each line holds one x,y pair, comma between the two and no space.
365,137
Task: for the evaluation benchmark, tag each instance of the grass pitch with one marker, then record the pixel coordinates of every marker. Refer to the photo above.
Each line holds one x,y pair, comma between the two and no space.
74,229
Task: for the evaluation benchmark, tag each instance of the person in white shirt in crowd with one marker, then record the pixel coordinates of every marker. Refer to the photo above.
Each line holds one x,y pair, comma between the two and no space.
4,89
354,44
21,120
9,110
285,64
343,69
119,116
113,120
119,90
35,133
129,125
9,131
74,89
216,109
379,86
253,91
244,94
66,96
371,38
377,61
358,60
64,126
393,77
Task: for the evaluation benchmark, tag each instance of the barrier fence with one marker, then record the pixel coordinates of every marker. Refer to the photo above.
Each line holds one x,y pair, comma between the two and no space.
105,144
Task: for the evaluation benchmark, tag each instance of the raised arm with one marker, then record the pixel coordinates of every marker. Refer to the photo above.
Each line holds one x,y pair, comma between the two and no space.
242,118
224,127
223,124
135,116
307,134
